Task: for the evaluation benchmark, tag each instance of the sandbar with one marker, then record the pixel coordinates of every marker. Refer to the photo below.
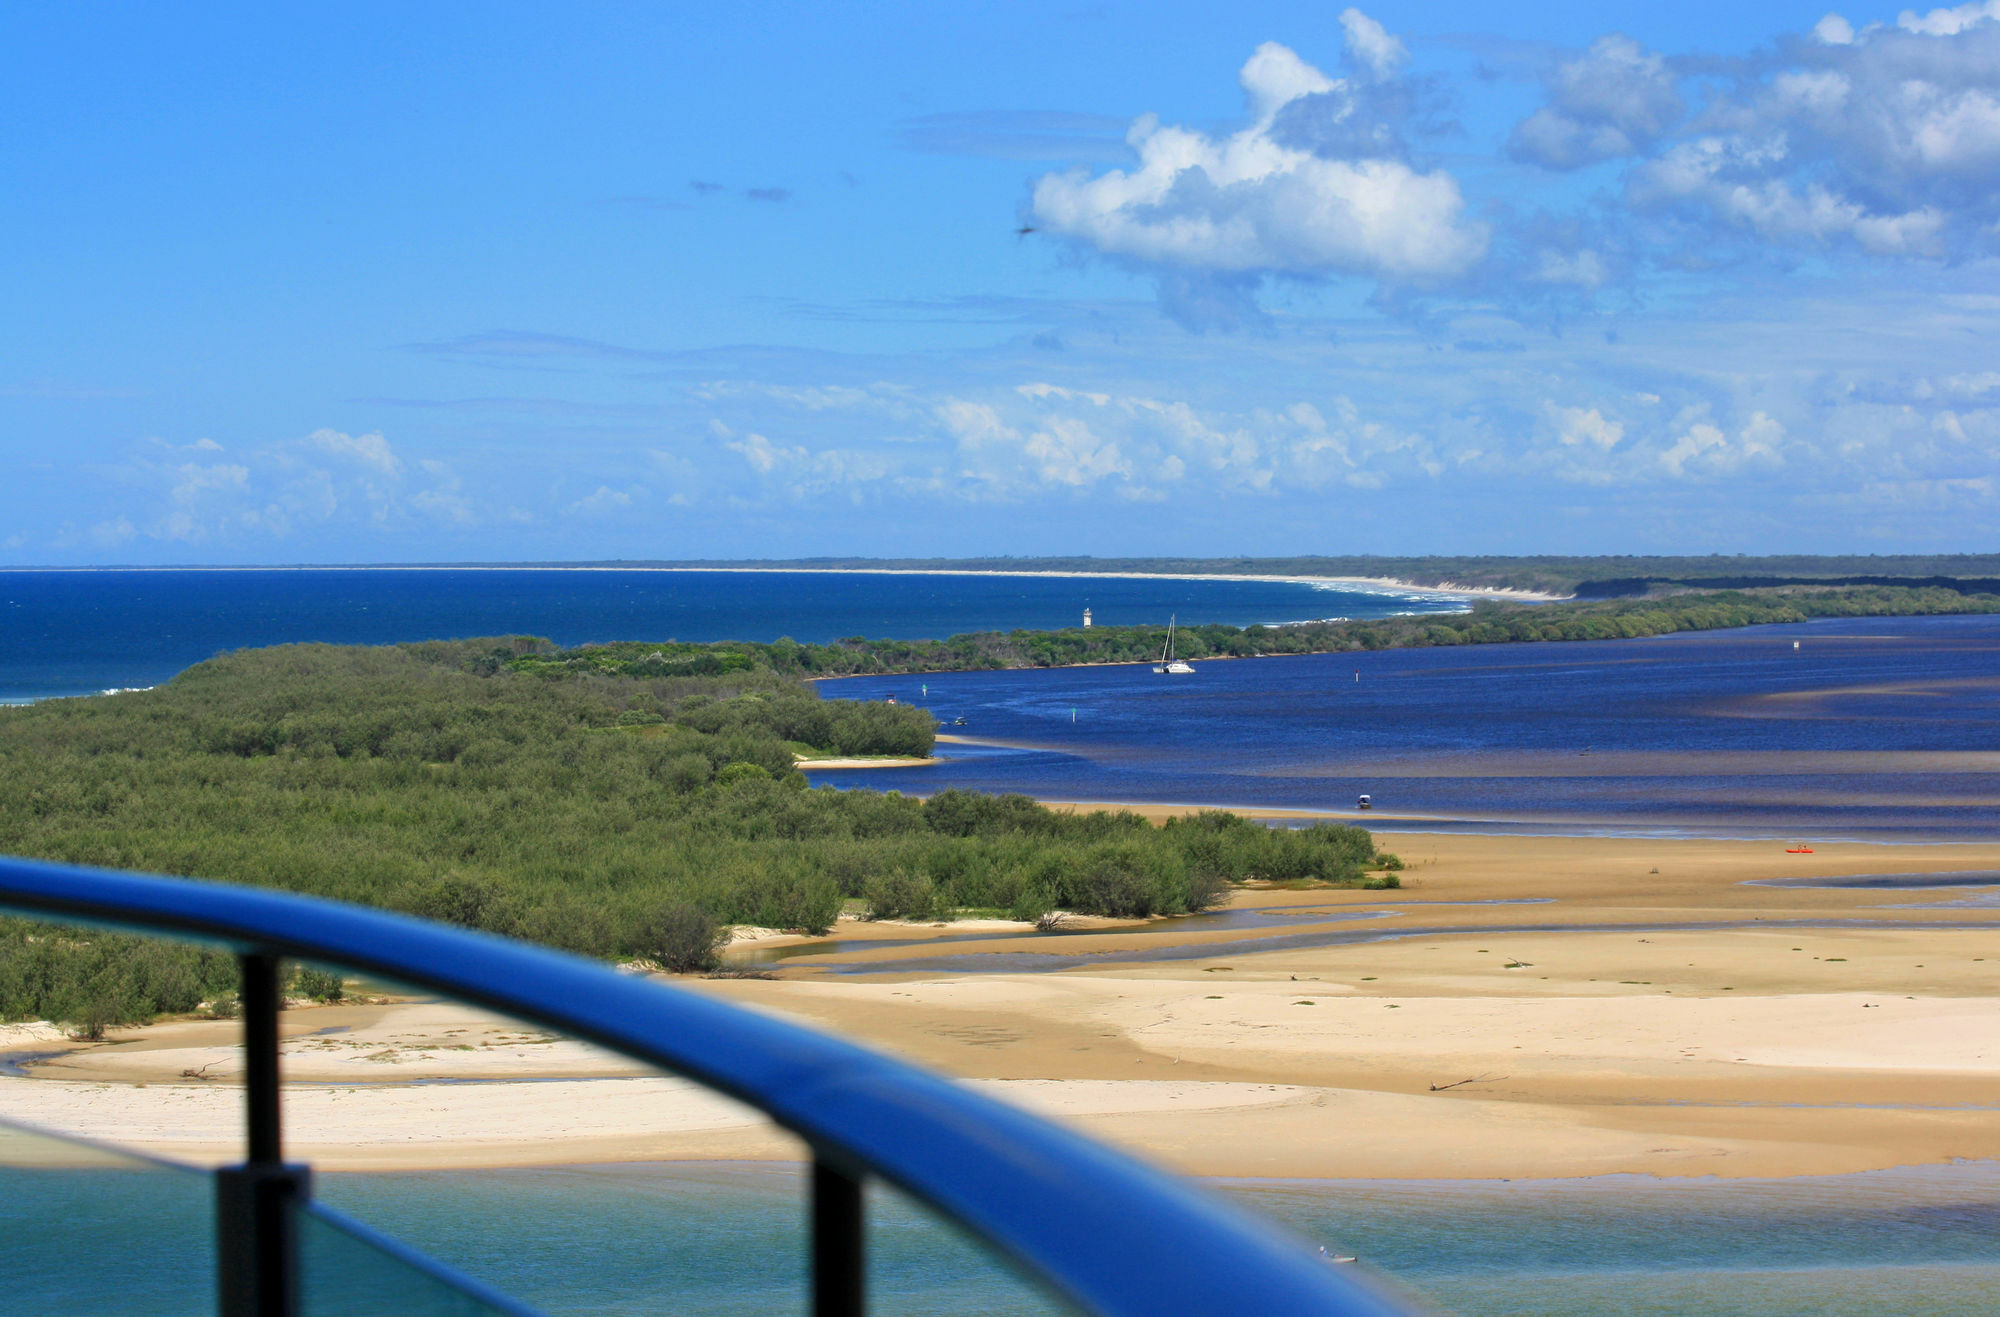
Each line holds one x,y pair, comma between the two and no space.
1521,1007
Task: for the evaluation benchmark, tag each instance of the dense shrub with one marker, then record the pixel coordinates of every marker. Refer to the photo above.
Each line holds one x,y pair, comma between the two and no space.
740,772
681,939
89,982
1233,849
956,813
466,901
320,985
901,894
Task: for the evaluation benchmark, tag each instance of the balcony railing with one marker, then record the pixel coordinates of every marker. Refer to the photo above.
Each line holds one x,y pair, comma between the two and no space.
1109,1234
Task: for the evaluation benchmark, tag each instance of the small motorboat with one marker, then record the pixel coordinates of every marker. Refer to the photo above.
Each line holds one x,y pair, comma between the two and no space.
1364,802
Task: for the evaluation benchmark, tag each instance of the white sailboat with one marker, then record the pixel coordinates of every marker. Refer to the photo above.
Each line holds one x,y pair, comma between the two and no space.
1168,663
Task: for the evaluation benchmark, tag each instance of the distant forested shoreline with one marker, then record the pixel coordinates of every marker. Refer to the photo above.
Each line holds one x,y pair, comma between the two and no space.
1599,576
1488,622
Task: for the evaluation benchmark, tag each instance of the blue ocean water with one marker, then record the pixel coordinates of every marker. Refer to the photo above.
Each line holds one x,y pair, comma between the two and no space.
608,1241
76,633
1873,728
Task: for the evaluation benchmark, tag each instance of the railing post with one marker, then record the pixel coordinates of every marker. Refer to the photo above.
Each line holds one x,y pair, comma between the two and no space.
256,1234
838,1264
261,1003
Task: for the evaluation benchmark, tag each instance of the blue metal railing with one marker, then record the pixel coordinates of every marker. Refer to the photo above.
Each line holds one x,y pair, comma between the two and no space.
1106,1232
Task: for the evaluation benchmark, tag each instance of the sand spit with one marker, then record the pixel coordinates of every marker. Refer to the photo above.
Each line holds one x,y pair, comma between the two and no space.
879,761
1366,584
1550,1021
1361,584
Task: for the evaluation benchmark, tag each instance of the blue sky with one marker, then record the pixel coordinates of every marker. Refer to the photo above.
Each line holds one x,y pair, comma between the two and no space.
378,283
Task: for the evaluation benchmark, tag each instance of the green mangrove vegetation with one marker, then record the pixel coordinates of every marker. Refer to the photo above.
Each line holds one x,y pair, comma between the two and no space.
493,785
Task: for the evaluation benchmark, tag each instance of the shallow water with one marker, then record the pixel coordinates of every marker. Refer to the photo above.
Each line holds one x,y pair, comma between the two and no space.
1914,882
1222,919
1919,1241
1213,921
1980,887
1030,962
15,1065
1874,729
728,1238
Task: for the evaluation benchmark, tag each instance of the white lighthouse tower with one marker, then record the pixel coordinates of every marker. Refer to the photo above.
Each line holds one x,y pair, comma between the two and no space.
1086,619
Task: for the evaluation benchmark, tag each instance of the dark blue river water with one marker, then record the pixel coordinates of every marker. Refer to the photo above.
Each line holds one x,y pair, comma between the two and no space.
1871,729
76,633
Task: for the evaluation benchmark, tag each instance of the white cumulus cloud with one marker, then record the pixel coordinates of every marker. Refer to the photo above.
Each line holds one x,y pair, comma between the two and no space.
604,501
369,450
1316,185
1703,448
1576,426
1947,22
1370,45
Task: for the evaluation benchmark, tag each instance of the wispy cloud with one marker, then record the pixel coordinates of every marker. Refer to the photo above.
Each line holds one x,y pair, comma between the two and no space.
203,493
522,406
1018,135
641,201
769,193
64,391
524,346
962,309
605,502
